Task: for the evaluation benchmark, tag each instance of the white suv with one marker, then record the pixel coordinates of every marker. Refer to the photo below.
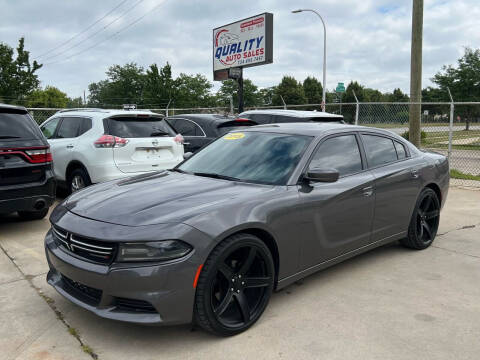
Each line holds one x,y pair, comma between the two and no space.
95,145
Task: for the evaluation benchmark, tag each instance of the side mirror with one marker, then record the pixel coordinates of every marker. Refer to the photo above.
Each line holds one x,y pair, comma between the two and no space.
187,155
322,175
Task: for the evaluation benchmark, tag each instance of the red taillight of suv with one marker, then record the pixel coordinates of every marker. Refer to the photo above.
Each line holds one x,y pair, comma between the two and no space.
179,139
34,155
39,156
110,141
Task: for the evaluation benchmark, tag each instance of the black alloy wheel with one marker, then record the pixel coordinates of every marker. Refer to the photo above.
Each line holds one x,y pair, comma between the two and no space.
425,220
235,285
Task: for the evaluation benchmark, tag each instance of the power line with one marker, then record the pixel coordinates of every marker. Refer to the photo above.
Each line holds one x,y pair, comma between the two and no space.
111,36
83,31
95,33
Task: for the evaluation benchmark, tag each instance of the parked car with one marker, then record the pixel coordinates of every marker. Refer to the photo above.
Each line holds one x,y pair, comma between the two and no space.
95,145
274,116
27,183
254,211
201,129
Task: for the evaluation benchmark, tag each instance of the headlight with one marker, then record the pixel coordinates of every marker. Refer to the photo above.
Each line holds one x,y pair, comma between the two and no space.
152,251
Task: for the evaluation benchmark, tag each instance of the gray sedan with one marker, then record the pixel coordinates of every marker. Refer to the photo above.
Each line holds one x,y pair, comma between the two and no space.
253,212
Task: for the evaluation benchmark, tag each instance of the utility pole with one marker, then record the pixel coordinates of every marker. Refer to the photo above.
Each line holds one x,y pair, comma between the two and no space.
416,72
240,93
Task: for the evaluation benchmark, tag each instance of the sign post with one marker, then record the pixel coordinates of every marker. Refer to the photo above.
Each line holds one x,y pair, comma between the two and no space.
340,89
245,43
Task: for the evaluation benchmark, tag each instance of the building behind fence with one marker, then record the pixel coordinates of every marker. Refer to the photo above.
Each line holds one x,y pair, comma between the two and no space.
452,129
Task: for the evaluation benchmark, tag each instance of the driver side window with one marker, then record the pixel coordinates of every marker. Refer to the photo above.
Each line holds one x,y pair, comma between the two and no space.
340,153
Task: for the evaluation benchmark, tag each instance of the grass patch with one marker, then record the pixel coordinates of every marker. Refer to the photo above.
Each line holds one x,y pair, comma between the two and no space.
457,174
73,331
87,349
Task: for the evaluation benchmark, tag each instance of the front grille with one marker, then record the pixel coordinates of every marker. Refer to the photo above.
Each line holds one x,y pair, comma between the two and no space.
91,250
89,294
134,305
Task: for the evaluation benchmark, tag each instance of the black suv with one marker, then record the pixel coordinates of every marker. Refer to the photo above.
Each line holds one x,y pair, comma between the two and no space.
27,183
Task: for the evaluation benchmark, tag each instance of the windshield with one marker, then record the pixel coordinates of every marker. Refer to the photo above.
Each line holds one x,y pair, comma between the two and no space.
258,157
137,127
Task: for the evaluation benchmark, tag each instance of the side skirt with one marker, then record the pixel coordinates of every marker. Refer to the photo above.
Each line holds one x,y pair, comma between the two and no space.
313,269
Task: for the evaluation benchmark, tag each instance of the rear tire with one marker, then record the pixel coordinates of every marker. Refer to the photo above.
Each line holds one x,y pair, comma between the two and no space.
33,215
234,286
78,179
424,222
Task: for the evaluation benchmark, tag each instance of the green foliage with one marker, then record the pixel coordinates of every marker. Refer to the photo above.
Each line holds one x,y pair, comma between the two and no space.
291,90
457,174
313,90
406,135
251,95
17,75
49,97
192,91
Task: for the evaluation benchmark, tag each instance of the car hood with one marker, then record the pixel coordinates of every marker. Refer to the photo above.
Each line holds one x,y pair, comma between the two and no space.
165,197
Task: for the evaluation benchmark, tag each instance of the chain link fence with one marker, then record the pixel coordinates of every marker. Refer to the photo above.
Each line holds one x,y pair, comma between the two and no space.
452,129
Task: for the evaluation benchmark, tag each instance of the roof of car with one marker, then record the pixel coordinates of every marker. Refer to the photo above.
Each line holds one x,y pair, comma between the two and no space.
106,112
293,113
218,118
12,107
313,128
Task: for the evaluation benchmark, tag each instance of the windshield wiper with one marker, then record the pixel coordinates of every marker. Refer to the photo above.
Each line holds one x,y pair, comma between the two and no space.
217,176
9,137
159,133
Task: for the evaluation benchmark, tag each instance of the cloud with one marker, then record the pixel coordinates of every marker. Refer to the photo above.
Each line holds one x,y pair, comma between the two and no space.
367,41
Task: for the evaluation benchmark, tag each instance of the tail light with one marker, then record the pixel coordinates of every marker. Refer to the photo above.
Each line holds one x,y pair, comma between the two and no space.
34,155
110,141
178,139
242,120
38,156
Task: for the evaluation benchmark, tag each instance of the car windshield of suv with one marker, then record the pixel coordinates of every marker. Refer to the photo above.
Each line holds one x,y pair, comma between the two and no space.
258,157
16,125
139,127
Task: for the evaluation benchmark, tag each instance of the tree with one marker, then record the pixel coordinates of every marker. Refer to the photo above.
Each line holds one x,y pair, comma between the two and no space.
463,82
192,91
48,97
159,85
251,96
313,90
396,96
352,87
291,90
124,85
17,75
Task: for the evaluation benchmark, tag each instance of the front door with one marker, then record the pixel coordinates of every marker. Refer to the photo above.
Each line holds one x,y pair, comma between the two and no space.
338,216
192,133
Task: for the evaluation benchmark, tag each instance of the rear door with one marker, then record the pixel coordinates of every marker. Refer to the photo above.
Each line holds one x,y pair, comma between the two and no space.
194,135
397,184
339,215
21,149
144,143
62,142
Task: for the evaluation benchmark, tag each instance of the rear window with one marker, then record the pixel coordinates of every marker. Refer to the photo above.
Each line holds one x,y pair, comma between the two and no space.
137,127
17,125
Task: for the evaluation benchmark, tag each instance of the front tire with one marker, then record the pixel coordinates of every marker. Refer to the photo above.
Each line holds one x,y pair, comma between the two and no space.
78,180
424,222
234,286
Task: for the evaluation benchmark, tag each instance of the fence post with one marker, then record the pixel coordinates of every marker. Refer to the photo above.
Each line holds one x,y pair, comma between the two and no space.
357,108
450,127
284,105
168,105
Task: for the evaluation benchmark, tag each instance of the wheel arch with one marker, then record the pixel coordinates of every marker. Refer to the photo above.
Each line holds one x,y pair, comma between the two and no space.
437,190
72,165
267,239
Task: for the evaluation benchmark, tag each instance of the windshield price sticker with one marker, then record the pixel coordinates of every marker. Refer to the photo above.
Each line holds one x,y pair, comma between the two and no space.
234,136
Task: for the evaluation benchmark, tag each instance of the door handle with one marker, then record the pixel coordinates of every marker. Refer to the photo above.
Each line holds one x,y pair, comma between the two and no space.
185,143
368,191
414,173
69,146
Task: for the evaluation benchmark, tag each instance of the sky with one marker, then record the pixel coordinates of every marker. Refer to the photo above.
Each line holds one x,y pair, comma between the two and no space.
367,40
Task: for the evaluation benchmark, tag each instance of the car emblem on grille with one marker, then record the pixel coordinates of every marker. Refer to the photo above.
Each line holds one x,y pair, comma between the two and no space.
69,243
155,143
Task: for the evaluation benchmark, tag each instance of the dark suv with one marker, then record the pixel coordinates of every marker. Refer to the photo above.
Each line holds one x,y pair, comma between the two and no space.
27,184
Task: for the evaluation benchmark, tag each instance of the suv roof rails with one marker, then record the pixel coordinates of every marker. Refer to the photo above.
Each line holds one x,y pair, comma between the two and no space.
80,109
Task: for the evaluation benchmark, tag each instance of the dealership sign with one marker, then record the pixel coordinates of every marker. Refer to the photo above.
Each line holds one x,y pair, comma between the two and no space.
244,43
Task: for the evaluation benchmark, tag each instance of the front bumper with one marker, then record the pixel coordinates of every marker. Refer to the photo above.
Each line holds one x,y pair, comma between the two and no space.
156,294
